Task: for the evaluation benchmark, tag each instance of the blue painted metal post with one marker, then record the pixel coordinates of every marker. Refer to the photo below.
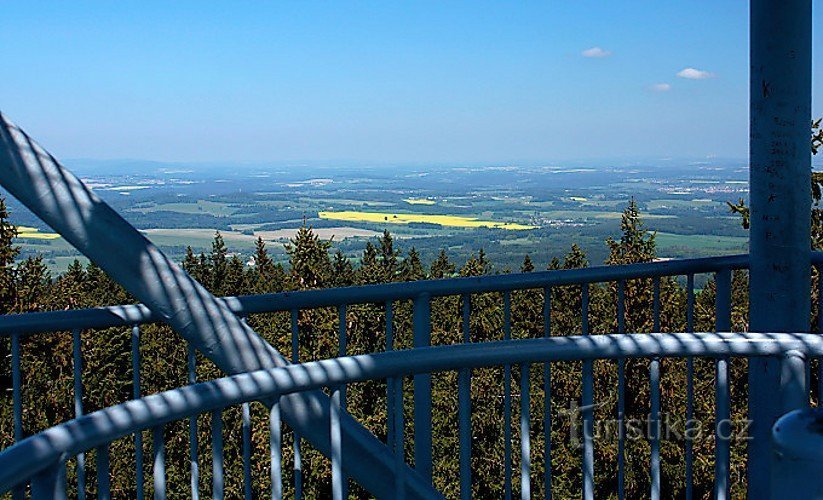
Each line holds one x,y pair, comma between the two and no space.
159,471
49,483
103,481
336,454
246,428
464,410
422,392
138,436
587,407
390,403
654,389
507,403
547,402
780,170
525,437
341,390
689,387
275,451
217,480
723,425
195,469
17,401
621,394
295,358
77,369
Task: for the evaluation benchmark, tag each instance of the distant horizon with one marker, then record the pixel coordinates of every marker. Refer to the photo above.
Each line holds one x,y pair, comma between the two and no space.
134,166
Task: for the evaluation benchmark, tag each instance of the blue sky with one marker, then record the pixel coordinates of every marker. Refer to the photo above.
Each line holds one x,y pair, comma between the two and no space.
461,82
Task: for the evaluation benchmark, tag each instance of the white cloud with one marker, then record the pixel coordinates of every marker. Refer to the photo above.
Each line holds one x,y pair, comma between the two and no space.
694,74
660,87
596,52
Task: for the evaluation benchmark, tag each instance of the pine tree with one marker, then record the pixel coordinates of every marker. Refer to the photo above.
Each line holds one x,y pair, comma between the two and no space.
8,254
219,263
343,271
32,284
411,269
235,280
309,259
442,267
388,255
371,269
265,276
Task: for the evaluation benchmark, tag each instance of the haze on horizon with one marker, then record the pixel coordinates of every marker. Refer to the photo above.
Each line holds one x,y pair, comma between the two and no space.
461,82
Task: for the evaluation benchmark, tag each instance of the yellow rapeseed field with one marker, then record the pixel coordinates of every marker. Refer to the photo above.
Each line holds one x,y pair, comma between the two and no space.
443,220
33,233
419,201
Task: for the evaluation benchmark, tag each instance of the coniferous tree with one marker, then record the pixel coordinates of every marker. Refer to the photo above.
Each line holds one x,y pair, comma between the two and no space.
343,271
442,267
219,263
8,254
411,268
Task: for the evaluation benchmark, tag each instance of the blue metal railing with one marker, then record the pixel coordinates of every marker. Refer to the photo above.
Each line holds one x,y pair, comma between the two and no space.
420,293
35,457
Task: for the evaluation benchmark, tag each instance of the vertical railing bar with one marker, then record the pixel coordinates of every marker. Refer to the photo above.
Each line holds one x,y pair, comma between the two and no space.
621,394
723,297
218,484
17,401
275,450
399,444
656,304
421,323
193,445
138,436
336,444
295,358
689,387
507,401
819,330
547,401
103,481
525,437
159,470
77,371
654,382
654,389
49,483
390,403
246,432
587,407
464,408
690,303
722,430
342,347
246,428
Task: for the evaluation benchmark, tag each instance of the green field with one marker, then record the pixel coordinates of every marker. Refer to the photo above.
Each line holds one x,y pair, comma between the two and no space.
701,244
215,208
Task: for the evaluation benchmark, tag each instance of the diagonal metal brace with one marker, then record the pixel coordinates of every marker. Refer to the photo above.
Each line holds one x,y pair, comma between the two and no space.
62,201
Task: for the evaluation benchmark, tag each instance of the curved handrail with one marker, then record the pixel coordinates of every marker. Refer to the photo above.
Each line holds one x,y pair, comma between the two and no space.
36,453
107,317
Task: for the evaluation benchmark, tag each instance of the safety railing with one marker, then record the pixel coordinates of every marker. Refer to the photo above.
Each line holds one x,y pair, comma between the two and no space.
40,458
417,364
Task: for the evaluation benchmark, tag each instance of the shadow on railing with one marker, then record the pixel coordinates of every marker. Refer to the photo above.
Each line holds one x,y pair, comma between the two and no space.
40,458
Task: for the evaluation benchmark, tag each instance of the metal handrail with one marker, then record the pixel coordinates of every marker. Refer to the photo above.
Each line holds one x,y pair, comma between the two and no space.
128,315
24,460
